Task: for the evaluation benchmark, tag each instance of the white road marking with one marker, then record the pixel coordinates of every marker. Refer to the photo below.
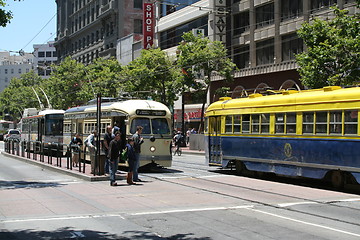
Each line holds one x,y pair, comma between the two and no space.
191,210
61,218
307,223
345,200
295,203
329,201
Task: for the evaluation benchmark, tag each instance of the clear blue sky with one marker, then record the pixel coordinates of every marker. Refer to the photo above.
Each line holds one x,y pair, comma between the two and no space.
29,18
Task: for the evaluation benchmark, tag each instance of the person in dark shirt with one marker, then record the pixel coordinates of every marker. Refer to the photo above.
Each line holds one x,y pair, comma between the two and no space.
75,144
131,160
138,140
113,155
107,139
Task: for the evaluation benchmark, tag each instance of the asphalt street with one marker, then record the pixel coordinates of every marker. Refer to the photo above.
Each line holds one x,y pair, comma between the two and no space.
187,201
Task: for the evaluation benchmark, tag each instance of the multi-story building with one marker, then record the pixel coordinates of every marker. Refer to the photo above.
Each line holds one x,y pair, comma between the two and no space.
44,56
88,29
260,36
13,66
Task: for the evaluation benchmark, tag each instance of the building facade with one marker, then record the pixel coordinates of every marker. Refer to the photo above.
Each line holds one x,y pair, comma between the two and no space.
44,56
13,66
88,29
260,36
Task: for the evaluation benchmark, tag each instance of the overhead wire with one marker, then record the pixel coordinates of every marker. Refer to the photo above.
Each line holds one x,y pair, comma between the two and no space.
40,31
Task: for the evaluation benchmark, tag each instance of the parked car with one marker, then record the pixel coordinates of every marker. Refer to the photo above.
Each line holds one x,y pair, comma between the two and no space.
12,134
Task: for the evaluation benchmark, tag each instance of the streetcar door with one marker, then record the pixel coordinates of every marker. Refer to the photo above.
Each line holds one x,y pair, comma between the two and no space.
40,129
215,141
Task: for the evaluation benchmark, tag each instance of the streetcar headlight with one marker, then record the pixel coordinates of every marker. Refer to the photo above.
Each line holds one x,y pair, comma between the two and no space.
152,149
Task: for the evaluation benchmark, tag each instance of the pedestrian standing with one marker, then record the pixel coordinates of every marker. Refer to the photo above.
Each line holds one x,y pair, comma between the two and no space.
107,139
131,160
138,140
75,145
188,133
91,144
113,155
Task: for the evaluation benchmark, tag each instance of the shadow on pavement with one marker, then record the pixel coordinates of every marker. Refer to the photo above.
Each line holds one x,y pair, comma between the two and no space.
27,184
67,233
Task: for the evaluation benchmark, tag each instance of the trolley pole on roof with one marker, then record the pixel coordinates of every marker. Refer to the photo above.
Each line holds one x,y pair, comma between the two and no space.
98,129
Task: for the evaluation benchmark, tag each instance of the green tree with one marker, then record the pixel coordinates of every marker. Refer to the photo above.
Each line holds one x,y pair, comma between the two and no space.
72,83
20,94
154,74
198,55
103,76
333,51
5,16
64,85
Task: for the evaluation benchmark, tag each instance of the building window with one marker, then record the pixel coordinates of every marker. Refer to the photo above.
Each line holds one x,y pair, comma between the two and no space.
265,52
172,37
6,71
138,26
317,5
19,71
264,15
138,4
54,54
291,9
291,45
12,71
242,56
241,22
41,54
171,6
48,54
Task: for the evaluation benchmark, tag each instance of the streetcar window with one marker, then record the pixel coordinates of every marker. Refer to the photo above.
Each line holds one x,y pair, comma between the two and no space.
279,122
54,125
246,123
144,122
160,126
212,124
33,126
335,122
291,123
265,123
228,124
255,123
321,122
351,122
308,122
237,123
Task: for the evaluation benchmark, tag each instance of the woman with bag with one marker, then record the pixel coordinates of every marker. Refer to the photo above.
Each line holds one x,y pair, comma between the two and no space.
131,160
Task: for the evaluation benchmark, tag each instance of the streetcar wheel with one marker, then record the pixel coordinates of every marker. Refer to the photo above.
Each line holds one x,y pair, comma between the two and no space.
239,167
337,179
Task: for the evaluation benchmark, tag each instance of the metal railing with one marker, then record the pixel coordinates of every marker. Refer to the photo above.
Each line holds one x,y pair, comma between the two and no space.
55,154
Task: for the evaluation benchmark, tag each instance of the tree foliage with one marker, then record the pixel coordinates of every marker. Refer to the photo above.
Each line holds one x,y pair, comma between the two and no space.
5,16
333,51
201,58
20,94
64,85
154,75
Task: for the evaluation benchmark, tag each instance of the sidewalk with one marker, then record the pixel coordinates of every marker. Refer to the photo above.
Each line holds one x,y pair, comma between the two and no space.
186,150
60,165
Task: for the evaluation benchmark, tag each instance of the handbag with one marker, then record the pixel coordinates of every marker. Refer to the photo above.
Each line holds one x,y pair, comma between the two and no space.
123,156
